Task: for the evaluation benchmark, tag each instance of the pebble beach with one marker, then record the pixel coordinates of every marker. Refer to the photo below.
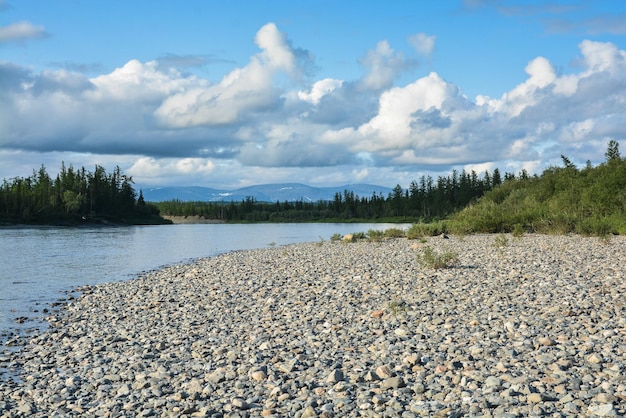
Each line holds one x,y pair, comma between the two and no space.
530,326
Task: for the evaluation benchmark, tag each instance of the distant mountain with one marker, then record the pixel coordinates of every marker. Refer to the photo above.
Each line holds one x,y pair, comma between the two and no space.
282,192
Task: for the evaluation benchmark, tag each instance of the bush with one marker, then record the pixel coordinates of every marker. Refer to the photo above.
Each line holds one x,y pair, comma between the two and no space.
397,307
336,237
429,258
394,233
358,235
427,230
375,235
500,241
518,231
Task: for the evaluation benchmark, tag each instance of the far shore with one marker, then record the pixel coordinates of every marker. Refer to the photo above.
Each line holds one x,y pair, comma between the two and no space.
192,220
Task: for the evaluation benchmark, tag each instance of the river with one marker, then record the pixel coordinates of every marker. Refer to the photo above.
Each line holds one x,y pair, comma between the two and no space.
44,265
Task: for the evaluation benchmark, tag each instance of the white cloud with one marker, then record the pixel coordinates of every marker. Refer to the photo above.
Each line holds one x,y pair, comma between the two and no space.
21,31
393,126
599,56
383,65
259,124
424,44
247,89
319,90
143,82
541,74
148,169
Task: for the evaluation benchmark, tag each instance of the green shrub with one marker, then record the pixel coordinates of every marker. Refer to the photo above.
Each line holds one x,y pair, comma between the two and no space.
595,226
336,237
358,235
375,235
518,231
394,233
500,241
429,258
427,230
397,307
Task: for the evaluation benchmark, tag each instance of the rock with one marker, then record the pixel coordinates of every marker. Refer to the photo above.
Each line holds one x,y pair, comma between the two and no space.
259,375
392,383
271,332
492,382
601,410
239,403
534,398
217,376
123,390
595,358
378,313
401,332
383,372
605,398
335,376
546,341
371,376
25,408
309,412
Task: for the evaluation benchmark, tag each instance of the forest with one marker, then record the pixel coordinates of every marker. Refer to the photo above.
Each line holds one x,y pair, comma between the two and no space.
424,200
562,199
75,196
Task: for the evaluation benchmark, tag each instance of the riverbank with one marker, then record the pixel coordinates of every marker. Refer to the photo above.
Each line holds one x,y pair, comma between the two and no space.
526,327
192,220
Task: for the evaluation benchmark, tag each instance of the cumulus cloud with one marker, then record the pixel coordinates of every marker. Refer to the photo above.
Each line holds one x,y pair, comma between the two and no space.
242,91
151,168
383,65
319,90
424,44
21,31
265,119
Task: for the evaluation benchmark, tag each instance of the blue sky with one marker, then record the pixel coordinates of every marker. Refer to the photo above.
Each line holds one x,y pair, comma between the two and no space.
230,94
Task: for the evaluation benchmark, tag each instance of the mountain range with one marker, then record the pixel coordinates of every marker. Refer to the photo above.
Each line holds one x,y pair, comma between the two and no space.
291,192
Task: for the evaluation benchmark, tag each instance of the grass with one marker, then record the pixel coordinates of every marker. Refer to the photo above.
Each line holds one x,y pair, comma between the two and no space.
431,259
375,235
394,233
518,231
500,241
420,230
397,307
336,237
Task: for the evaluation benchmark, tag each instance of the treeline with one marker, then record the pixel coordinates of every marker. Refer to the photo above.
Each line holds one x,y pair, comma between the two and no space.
425,200
74,196
587,201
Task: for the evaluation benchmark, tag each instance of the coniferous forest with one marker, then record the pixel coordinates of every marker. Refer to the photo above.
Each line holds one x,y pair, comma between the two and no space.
589,200
562,199
425,199
75,197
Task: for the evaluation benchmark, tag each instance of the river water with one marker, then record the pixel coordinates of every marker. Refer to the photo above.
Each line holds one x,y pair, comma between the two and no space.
41,266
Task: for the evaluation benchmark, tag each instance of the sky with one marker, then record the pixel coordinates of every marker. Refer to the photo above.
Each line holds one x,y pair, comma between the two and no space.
229,94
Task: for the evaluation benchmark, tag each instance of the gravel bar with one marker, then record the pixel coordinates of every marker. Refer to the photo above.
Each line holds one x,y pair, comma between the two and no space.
531,326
